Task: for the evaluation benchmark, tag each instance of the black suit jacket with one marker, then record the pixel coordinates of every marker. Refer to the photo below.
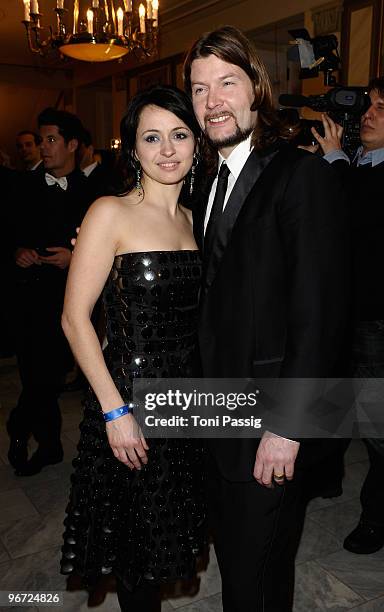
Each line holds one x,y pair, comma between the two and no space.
42,216
275,291
364,187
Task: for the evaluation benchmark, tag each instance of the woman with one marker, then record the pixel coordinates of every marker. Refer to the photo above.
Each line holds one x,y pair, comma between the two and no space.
135,507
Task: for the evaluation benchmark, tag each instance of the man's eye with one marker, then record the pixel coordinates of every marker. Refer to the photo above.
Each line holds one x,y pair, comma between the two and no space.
198,90
228,83
51,139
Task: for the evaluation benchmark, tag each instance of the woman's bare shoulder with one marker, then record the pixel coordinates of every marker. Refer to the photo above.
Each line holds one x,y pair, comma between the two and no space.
106,205
108,208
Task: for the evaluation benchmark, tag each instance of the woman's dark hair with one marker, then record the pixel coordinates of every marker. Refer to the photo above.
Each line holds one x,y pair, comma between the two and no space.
167,97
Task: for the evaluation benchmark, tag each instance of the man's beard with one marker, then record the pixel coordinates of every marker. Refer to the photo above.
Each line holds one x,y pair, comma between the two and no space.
238,136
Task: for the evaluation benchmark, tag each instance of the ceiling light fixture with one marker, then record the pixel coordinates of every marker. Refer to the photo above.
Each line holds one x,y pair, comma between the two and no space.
104,31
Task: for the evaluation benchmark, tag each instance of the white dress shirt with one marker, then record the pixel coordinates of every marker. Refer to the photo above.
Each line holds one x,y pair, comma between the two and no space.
36,165
89,169
235,162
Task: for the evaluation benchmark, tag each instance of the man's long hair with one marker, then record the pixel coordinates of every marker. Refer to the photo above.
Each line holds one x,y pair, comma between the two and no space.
231,46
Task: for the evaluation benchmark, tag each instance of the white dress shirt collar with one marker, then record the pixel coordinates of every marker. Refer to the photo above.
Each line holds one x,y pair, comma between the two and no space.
236,160
371,158
89,169
35,166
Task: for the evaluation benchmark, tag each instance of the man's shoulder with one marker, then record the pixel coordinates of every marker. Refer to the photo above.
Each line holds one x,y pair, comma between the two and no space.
300,157
291,163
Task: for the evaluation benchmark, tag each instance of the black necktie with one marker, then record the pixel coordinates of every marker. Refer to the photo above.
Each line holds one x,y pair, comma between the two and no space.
217,207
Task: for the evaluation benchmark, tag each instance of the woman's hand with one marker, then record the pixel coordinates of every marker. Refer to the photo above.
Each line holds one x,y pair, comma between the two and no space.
127,441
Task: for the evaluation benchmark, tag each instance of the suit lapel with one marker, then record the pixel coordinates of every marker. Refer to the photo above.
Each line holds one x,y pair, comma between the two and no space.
249,175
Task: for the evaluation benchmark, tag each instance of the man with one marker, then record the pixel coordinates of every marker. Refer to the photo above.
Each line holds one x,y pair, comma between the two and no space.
41,239
28,150
365,180
99,179
272,305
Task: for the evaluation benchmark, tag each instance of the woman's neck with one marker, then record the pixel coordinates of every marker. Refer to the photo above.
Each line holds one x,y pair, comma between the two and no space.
165,197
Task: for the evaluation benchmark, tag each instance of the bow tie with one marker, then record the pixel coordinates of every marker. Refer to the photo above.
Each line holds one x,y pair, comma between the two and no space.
52,180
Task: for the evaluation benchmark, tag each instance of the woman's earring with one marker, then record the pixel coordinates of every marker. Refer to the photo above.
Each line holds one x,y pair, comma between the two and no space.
193,171
138,184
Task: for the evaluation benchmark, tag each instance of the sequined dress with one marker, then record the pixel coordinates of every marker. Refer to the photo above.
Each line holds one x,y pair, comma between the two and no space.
149,523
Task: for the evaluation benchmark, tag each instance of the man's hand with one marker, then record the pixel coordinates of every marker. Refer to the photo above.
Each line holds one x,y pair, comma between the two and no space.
26,257
275,459
332,135
61,257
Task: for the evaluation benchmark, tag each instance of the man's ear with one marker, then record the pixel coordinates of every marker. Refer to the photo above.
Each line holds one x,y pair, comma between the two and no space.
73,145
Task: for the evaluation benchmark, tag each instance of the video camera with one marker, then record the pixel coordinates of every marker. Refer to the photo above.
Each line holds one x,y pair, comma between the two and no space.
345,105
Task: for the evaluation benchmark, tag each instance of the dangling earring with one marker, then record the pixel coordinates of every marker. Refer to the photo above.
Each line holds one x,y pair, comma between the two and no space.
138,184
193,171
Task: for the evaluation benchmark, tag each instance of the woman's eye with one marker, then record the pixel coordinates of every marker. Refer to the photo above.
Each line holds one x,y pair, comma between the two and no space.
198,90
151,138
181,135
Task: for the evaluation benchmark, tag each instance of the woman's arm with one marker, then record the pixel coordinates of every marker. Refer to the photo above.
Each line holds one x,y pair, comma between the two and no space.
91,263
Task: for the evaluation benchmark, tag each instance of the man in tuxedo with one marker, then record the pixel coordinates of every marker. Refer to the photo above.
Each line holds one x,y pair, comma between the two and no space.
273,303
364,180
41,237
28,149
99,177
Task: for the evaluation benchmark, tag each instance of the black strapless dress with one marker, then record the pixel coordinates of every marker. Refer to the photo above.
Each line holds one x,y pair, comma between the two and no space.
146,524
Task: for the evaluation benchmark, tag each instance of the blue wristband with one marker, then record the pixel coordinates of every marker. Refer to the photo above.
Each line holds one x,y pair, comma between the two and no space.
118,412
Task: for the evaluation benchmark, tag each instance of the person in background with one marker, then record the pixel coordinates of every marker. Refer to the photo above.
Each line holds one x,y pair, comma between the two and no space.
28,150
40,236
99,177
364,181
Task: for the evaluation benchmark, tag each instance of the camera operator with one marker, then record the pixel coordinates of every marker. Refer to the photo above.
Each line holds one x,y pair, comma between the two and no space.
364,180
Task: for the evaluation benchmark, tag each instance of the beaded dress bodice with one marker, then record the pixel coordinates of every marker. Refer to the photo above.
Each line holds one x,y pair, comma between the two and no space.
151,309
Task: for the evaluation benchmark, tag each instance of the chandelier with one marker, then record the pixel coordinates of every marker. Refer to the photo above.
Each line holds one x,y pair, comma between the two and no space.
104,31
